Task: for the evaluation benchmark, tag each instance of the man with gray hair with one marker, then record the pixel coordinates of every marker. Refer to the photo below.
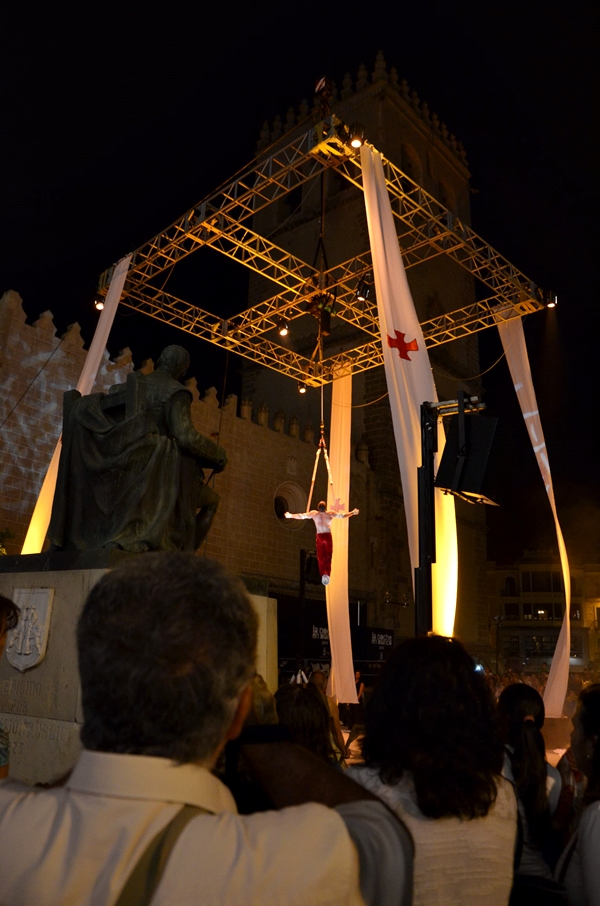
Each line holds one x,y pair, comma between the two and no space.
167,644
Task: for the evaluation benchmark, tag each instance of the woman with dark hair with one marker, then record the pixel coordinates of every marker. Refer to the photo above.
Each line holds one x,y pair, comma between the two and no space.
434,755
302,710
9,617
537,783
579,865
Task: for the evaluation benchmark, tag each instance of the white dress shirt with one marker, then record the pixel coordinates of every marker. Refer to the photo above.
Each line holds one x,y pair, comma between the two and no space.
582,878
76,845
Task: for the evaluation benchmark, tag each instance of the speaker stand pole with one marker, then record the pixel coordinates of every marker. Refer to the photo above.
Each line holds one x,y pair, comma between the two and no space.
426,506
302,601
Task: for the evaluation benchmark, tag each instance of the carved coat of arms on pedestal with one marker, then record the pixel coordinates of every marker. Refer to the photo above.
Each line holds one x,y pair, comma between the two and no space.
26,643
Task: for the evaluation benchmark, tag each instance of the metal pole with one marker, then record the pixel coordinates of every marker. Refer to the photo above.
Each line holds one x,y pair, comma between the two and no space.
302,598
426,506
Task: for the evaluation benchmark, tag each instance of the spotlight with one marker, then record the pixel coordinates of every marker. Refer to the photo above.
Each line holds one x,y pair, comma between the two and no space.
357,135
98,303
551,300
362,291
283,327
302,388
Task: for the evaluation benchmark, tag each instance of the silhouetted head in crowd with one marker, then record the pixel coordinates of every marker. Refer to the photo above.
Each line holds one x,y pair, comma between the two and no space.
304,712
318,679
433,715
9,617
521,711
584,739
9,614
166,646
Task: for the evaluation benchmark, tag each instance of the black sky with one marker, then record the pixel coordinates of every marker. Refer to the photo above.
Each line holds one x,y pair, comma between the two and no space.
115,120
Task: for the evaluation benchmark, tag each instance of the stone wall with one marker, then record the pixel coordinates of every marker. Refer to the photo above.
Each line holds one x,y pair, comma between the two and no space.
36,368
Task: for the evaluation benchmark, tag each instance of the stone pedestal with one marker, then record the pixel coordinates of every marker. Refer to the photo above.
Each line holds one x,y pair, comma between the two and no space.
266,655
41,707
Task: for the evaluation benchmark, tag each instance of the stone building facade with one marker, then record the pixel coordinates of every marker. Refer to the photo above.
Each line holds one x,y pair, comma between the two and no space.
36,368
526,608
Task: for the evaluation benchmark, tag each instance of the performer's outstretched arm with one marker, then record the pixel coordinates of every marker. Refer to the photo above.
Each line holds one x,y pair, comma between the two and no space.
301,515
353,512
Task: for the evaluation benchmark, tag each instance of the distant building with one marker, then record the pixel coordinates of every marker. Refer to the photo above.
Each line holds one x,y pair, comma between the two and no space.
526,605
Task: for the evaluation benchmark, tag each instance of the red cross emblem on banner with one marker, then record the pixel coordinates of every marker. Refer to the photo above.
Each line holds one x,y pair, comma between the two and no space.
402,346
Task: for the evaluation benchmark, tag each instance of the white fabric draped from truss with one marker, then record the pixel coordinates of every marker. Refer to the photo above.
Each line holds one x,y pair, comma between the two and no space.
40,520
515,350
410,383
342,667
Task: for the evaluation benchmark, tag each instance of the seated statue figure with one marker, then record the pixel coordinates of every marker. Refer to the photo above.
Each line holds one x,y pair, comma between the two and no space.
131,472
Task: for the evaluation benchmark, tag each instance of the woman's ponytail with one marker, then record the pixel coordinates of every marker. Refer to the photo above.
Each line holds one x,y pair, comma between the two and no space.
522,712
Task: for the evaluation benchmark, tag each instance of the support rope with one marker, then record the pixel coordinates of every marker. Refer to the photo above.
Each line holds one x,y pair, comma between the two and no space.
322,442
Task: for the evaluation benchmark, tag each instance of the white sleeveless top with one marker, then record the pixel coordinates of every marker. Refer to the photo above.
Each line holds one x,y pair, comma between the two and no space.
457,862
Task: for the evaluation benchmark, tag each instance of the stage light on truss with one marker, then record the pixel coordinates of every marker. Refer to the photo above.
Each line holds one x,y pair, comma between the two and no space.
98,303
551,300
283,327
362,291
302,388
357,135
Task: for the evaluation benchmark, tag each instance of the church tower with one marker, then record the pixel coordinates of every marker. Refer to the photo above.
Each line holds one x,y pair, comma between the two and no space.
412,137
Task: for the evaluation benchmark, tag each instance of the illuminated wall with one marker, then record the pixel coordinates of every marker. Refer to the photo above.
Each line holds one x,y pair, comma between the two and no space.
36,368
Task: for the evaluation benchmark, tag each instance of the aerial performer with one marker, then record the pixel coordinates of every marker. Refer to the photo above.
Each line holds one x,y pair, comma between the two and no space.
322,519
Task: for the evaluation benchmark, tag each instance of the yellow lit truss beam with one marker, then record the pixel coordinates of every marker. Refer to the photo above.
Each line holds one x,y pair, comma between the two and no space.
426,229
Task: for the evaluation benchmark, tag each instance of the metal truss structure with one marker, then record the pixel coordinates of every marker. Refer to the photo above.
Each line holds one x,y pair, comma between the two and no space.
224,221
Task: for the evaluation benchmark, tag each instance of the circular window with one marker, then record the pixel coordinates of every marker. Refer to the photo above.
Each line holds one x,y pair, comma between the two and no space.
281,507
289,497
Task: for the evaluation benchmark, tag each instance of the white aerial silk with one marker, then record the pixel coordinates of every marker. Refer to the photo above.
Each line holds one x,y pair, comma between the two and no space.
338,617
410,383
40,520
515,350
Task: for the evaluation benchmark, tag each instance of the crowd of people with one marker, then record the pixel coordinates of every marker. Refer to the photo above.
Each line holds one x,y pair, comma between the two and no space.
577,682
196,785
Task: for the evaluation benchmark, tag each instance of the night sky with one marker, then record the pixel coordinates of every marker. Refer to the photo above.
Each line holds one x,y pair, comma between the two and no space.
114,123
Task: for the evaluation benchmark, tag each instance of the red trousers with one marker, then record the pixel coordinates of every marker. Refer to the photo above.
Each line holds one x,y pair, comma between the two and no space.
324,552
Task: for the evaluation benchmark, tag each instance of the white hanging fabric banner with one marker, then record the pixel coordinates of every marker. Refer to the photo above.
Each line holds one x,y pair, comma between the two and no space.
410,383
515,350
338,616
40,520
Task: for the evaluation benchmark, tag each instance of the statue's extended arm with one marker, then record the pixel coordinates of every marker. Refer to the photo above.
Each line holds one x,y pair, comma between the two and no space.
182,429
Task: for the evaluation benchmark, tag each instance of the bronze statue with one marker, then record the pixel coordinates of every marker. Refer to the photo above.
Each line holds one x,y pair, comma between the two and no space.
131,468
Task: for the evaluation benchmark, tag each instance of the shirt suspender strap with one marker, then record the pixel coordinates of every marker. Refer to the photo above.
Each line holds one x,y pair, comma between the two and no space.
147,873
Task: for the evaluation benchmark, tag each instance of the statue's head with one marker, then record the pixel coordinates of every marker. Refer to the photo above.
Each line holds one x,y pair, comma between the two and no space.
322,506
175,360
